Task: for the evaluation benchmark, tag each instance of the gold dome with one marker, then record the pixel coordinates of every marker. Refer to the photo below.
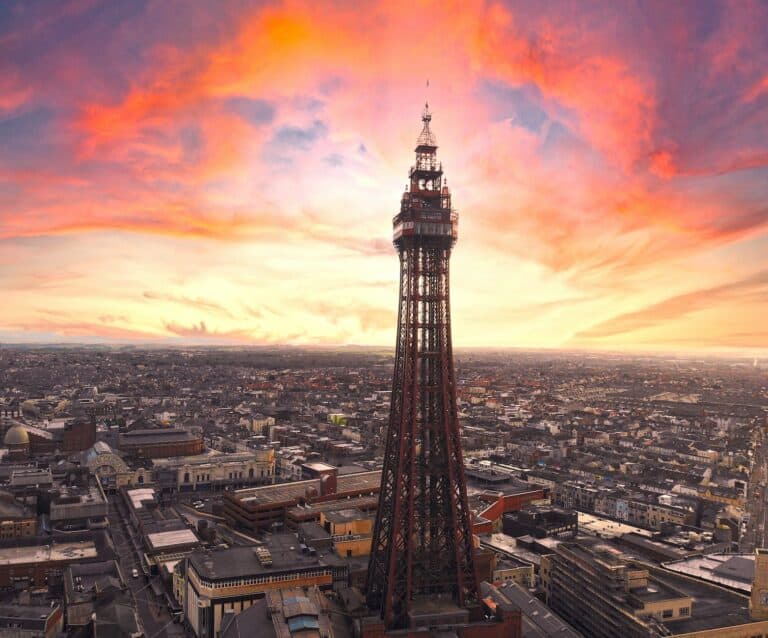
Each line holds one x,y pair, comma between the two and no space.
17,435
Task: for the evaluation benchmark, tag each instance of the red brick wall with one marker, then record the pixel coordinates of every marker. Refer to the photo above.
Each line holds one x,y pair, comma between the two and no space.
162,450
511,503
79,436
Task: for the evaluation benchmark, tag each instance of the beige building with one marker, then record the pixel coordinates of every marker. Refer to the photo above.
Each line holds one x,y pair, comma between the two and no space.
17,520
232,579
604,594
209,471
351,531
506,570
260,424
112,471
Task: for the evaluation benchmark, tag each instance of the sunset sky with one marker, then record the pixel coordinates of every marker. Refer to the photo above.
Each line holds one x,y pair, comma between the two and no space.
227,172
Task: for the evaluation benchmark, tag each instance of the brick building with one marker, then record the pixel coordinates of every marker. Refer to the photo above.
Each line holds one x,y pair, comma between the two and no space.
17,520
74,436
36,562
261,508
160,443
32,441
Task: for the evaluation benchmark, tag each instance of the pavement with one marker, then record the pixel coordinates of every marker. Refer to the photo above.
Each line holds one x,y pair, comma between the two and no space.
153,612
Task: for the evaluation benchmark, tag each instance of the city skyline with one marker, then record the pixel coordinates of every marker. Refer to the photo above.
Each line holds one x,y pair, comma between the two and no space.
228,174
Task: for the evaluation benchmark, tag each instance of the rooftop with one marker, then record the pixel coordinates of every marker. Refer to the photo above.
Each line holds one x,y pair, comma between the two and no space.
47,553
239,562
159,435
317,466
203,459
81,581
289,612
11,509
734,571
300,512
173,538
713,607
607,528
140,494
538,621
286,492
344,516
26,616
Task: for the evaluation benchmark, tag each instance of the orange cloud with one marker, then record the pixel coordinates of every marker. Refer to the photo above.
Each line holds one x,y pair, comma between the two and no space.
87,330
193,302
613,182
173,220
662,164
680,306
758,89
201,332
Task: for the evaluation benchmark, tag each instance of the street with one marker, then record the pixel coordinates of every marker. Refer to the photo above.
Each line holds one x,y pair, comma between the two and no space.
154,614
756,511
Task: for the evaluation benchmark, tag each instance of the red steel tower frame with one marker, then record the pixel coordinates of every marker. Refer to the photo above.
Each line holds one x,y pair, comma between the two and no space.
422,543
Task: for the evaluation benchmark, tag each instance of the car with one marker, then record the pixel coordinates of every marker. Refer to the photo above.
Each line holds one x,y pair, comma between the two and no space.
135,573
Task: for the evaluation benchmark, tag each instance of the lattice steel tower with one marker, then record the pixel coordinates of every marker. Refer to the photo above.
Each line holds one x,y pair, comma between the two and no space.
422,544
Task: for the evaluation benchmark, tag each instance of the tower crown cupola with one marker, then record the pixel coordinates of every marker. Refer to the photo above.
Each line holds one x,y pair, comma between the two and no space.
425,207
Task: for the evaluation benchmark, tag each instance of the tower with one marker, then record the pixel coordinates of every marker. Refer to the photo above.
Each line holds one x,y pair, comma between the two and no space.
421,559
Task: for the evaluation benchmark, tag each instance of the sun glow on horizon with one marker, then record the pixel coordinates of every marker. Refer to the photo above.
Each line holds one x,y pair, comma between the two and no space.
228,175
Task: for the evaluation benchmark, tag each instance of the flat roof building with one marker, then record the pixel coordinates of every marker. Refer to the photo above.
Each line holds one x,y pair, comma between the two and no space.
160,442
31,561
31,620
603,594
16,518
541,522
234,578
258,509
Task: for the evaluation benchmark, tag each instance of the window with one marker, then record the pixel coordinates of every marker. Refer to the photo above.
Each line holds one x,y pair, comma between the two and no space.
685,611
667,613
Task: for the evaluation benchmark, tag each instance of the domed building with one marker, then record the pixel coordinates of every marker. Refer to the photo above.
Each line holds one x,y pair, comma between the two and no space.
17,441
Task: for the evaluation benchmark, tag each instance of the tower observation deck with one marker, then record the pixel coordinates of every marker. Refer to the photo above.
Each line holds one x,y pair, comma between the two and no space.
425,209
421,562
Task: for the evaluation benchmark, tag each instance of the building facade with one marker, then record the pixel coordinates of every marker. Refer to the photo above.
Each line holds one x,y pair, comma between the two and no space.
232,579
160,443
17,520
604,596
186,474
